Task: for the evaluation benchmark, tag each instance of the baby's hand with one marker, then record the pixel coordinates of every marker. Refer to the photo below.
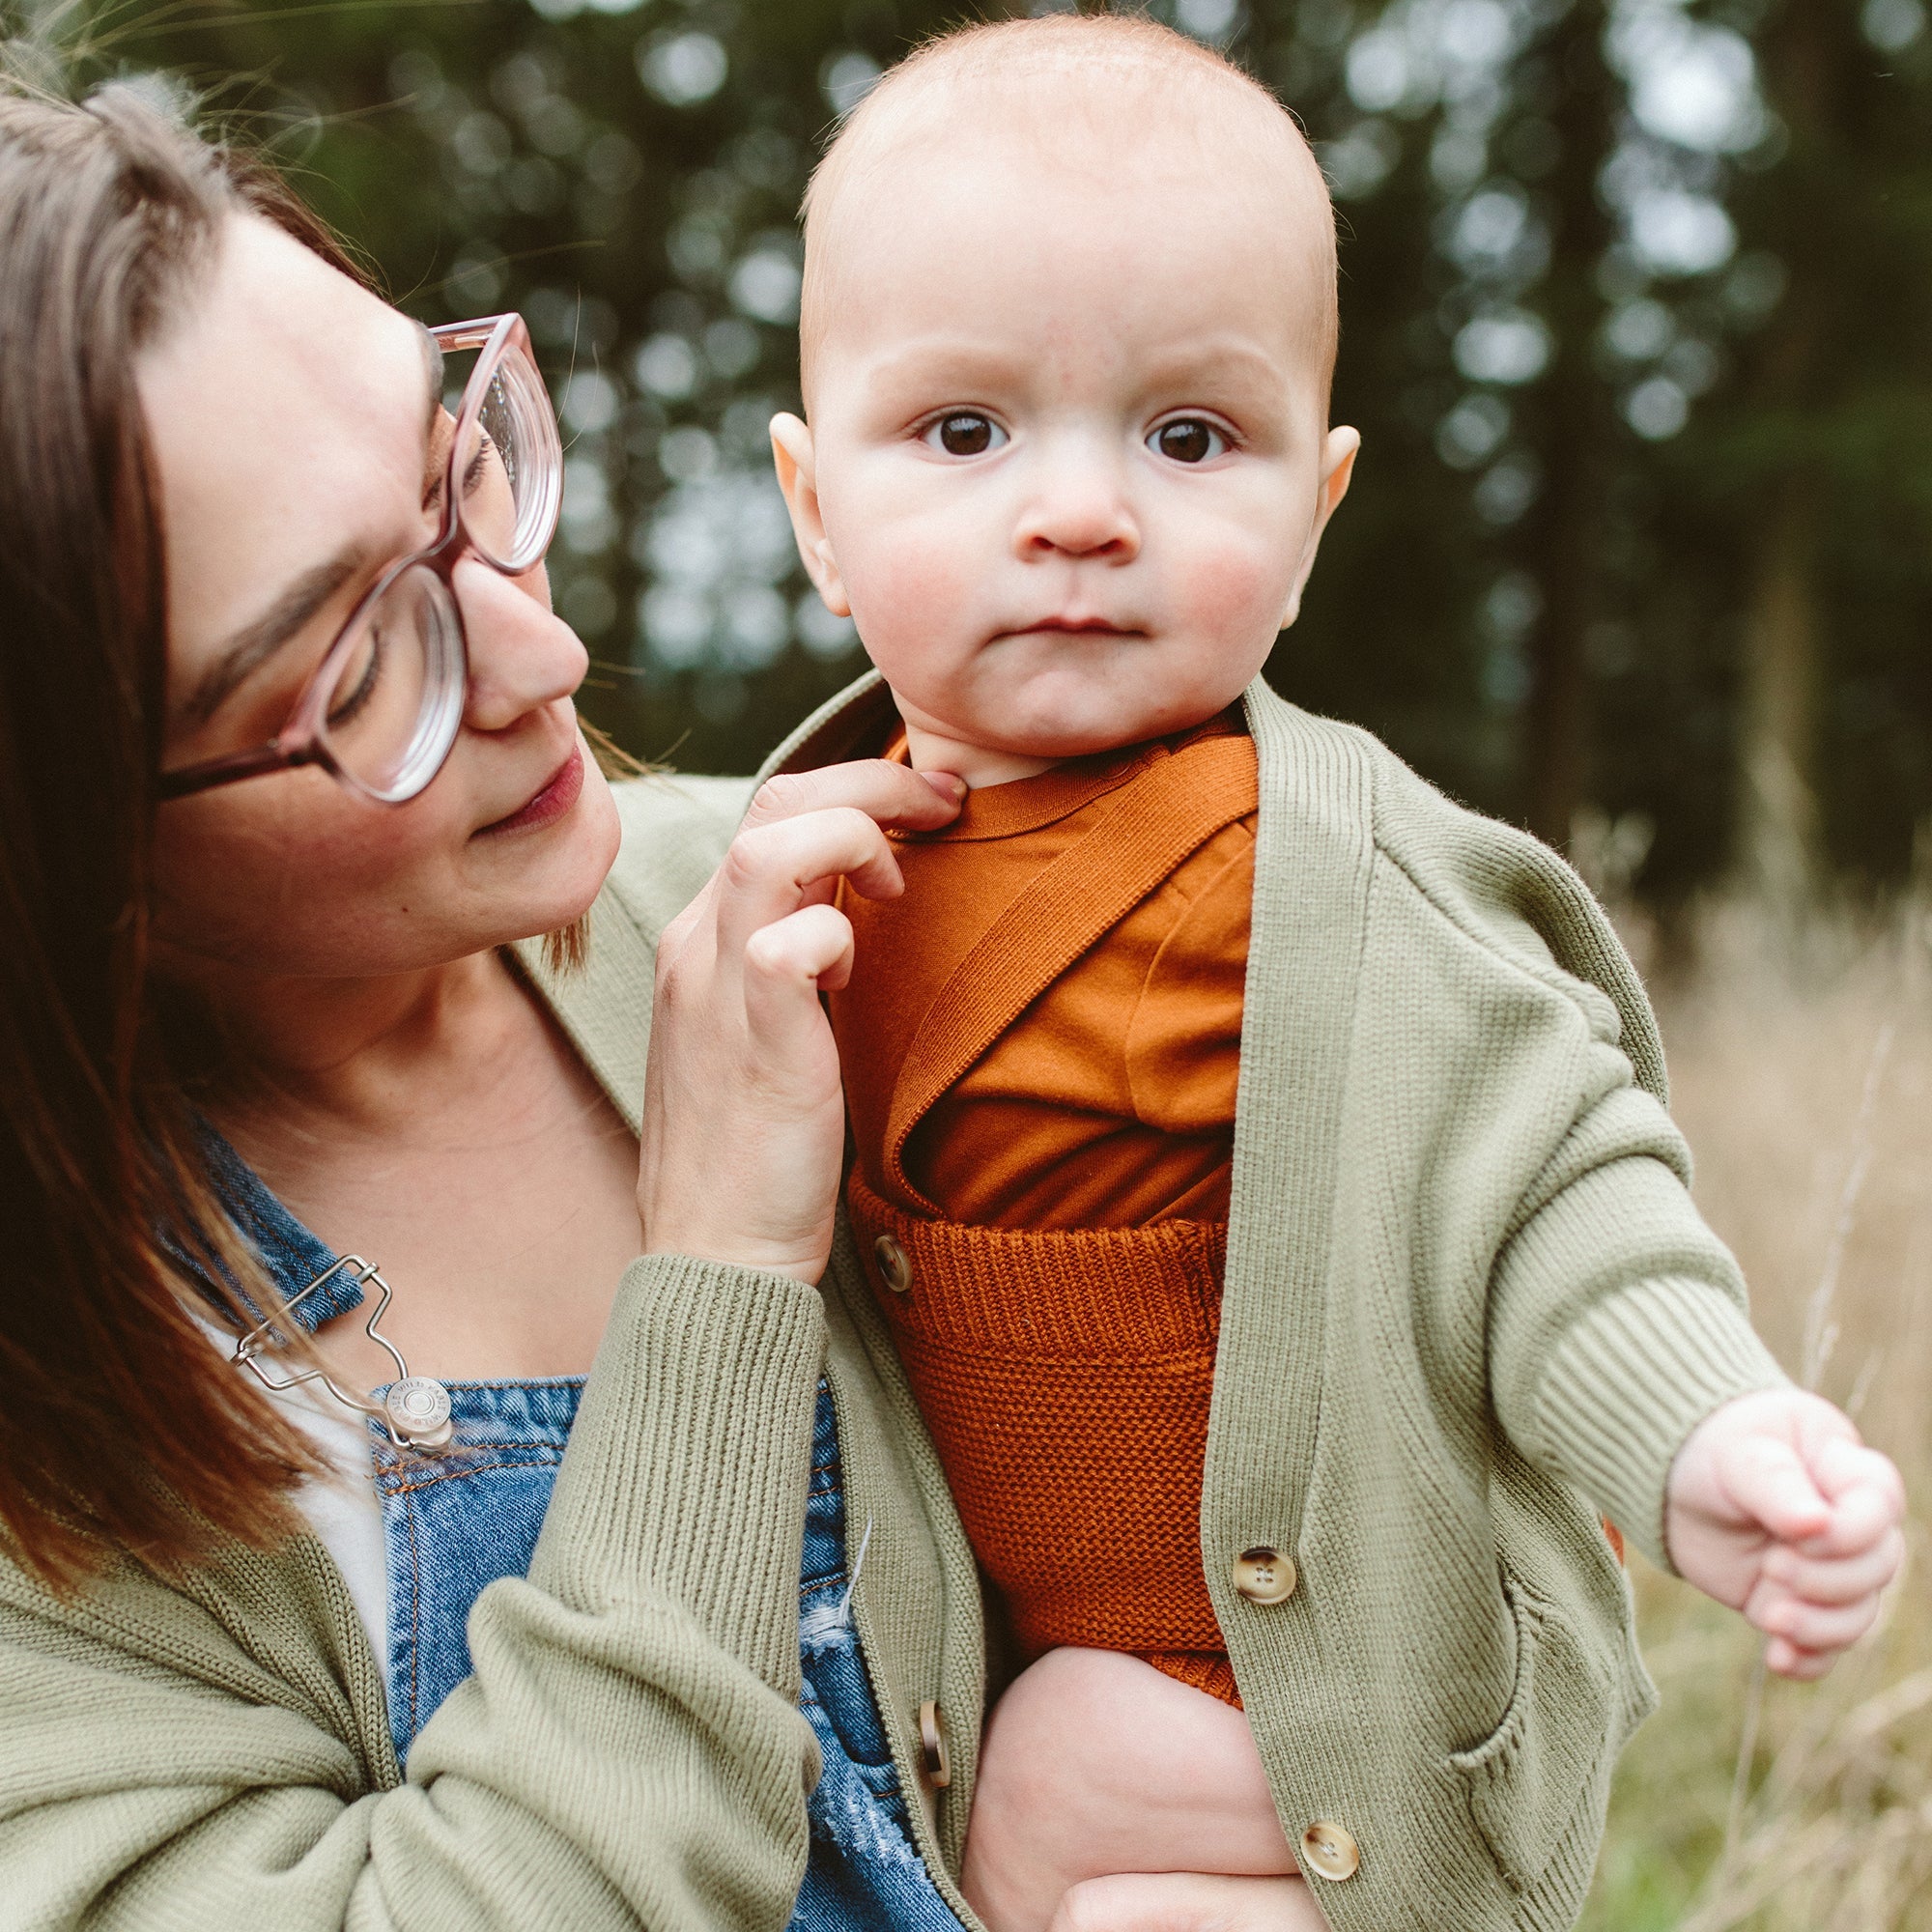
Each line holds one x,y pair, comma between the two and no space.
1775,1508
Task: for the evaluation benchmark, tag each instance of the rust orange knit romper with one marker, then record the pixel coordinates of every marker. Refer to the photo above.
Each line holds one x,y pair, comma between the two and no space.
1040,1045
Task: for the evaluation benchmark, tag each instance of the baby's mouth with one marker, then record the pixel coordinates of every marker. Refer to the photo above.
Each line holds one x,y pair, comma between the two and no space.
1077,627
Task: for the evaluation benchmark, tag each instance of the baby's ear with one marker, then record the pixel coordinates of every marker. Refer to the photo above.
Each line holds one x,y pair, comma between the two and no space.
1339,451
798,477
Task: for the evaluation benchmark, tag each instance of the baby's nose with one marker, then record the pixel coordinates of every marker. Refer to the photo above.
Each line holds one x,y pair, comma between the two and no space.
1079,512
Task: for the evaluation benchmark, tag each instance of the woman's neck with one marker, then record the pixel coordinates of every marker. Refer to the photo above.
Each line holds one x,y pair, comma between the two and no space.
359,1051
440,1124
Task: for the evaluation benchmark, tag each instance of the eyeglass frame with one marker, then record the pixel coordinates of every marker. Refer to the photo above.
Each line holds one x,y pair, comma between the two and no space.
301,741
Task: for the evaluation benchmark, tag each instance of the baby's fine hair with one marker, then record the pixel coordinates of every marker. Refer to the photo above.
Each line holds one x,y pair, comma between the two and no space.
1124,53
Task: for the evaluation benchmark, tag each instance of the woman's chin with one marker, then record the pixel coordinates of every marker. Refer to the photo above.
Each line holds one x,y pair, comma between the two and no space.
563,867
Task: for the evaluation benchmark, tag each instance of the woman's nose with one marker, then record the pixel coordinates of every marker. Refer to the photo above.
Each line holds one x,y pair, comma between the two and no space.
1078,508
522,656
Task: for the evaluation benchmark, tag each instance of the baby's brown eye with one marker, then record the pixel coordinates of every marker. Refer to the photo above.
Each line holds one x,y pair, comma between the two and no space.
965,432
1187,439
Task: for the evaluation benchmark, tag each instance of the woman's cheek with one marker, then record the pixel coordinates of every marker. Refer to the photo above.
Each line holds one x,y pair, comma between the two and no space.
286,880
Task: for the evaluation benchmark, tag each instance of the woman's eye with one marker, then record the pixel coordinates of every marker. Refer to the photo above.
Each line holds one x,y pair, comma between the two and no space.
360,675
964,432
1187,439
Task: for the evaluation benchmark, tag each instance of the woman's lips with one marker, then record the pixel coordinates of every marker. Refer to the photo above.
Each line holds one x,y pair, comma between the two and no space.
558,794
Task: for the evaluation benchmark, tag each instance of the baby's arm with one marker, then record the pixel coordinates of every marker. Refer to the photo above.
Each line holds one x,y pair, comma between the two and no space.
1622,1358
1097,1766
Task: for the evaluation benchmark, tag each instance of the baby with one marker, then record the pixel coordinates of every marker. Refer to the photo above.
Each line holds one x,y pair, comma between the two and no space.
1261,1163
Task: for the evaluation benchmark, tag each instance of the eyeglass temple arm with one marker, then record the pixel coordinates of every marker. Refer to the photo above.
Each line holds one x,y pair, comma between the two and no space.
226,769
468,334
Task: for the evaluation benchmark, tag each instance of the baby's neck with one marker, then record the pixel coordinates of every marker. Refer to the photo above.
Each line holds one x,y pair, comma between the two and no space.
939,751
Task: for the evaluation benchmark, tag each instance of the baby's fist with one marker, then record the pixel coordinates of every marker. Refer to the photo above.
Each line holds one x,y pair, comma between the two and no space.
1776,1509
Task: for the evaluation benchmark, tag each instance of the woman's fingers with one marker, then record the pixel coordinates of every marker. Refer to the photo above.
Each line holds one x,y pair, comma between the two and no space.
1187,1902
889,793
806,952
772,870
807,830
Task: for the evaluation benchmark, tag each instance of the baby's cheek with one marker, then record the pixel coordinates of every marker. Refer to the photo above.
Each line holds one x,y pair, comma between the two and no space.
1233,594
913,591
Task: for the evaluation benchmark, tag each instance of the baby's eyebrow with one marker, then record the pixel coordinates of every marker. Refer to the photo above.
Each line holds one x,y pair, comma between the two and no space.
1221,363
945,359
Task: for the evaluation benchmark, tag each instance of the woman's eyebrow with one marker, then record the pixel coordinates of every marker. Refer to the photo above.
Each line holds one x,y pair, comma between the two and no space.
255,642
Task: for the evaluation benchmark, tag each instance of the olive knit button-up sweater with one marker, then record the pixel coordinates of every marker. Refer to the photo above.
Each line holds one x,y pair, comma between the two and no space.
1467,1306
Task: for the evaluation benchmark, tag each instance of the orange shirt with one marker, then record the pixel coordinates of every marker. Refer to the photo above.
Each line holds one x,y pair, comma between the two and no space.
1041,1043
1109,1102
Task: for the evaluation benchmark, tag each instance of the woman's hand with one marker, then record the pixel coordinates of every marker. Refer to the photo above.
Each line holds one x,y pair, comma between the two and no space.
744,1123
1188,1902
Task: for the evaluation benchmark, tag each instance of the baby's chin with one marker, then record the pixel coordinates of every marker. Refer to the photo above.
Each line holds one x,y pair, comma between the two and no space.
1106,721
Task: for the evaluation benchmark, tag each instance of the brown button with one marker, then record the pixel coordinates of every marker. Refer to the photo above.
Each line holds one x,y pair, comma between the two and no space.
934,1759
894,1267
1331,1852
1265,1576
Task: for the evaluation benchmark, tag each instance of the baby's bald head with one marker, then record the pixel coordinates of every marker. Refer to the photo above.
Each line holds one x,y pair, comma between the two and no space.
1130,105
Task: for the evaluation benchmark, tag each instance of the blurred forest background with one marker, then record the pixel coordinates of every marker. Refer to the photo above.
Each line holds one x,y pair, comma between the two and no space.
1638,327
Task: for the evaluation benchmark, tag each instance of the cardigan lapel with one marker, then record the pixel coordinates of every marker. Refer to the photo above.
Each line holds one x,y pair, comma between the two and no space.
852,724
1313,853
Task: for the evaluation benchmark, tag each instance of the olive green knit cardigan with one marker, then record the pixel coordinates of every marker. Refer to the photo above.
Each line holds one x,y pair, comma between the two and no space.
1468,1304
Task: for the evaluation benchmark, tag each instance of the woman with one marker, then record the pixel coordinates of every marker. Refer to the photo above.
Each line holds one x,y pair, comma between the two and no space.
289,776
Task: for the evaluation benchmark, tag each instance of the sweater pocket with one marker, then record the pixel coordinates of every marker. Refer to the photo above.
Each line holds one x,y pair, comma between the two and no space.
1529,1777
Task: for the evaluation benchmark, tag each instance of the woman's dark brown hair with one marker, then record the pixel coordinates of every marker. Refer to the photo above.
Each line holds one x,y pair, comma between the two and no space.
121,1424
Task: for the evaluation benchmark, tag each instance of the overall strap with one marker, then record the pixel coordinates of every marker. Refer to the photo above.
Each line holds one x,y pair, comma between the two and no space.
1157,822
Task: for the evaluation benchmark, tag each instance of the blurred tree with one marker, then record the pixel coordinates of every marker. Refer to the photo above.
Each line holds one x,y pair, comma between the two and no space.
1637,324
1828,434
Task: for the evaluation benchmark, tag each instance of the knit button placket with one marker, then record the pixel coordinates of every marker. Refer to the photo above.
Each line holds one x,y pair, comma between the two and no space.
1264,1574
895,1269
1331,1851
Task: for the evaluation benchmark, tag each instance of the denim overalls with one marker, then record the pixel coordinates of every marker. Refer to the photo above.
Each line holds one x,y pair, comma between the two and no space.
458,1519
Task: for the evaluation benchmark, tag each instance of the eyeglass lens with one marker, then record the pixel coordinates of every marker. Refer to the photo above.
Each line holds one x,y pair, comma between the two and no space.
396,702
508,462
397,698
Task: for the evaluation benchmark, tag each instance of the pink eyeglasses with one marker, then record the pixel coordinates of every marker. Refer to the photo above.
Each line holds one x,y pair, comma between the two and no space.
382,708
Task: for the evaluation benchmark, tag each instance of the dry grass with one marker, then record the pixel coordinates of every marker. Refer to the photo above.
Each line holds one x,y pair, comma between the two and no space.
1802,1075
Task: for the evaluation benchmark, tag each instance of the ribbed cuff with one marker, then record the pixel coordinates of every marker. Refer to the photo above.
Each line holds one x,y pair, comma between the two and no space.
1631,1379
689,1462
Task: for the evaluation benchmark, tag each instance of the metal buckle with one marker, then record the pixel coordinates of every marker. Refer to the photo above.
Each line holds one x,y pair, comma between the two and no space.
415,1414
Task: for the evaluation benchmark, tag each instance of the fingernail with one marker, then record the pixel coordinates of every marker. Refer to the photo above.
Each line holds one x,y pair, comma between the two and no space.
950,786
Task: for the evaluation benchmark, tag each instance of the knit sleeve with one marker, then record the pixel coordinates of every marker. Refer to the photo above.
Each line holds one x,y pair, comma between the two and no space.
629,1750
1617,1319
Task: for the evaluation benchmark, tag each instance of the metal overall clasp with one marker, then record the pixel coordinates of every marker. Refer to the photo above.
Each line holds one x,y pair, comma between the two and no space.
414,1411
